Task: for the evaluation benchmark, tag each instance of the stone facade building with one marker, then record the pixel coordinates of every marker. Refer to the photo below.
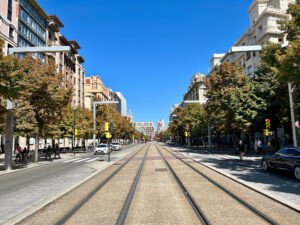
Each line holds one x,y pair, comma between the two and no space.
263,16
8,24
94,88
196,90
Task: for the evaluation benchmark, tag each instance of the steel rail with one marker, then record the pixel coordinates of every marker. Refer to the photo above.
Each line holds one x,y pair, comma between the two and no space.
125,208
190,199
92,193
247,205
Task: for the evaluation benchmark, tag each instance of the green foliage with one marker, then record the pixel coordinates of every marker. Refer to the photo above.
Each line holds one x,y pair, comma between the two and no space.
232,104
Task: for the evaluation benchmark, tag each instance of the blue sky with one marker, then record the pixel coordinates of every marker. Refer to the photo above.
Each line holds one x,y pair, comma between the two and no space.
150,49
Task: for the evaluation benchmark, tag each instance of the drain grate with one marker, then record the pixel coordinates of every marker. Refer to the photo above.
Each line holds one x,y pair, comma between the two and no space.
160,169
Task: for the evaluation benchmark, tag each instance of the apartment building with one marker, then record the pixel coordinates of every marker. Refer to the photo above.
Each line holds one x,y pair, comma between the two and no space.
196,90
8,24
94,88
263,17
32,25
147,128
69,64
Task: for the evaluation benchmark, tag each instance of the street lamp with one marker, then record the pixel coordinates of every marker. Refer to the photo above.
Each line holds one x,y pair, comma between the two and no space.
11,105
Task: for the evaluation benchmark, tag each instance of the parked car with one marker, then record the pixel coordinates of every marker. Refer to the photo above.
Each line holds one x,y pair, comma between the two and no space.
285,159
116,146
101,149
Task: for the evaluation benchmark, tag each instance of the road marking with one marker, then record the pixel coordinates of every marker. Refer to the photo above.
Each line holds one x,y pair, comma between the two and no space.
91,160
70,160
81,160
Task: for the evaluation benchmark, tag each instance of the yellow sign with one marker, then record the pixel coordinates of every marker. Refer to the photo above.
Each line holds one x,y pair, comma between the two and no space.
186,134
76,131
108,135
106,126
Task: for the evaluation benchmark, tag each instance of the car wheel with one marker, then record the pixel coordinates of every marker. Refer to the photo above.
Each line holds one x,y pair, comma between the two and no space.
297,172
265,165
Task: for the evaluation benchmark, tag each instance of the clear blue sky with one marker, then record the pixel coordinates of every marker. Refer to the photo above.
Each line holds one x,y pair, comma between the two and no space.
150,49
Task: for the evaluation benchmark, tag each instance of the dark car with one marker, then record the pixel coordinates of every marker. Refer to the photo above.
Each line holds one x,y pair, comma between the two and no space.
284,159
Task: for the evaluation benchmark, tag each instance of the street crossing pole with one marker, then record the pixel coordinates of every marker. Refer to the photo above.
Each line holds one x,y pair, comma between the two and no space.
292,115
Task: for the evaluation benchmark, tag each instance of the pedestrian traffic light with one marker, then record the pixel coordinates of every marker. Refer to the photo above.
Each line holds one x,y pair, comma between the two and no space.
186,134
111,126
106,126
187,126
268,124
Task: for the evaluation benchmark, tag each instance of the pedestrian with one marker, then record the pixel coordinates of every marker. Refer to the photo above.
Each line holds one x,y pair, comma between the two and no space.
241,149
48,152
24,155
57,152
258,146
18,153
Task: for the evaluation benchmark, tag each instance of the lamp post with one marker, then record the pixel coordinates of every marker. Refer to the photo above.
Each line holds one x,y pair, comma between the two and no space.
11,105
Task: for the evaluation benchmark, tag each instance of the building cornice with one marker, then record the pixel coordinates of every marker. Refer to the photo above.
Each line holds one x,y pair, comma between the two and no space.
256,2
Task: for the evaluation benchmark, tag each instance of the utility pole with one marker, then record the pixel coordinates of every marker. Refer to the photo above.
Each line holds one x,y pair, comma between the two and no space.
292,114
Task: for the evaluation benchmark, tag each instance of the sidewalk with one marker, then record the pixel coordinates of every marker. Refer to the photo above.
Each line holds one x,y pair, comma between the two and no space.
21,166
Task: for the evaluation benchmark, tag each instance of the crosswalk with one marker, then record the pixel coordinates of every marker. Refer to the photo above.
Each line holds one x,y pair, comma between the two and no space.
81,160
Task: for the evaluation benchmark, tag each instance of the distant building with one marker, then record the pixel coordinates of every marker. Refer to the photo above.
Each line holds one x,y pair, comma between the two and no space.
173,112
197,88
130,117
122,105
160,126
94,88
147,128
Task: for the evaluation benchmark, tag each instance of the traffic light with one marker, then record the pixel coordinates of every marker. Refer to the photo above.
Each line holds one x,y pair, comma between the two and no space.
268,124
187,126
111,126
106,126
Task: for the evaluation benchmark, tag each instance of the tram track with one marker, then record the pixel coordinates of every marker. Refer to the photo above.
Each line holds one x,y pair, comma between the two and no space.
267,218
84,201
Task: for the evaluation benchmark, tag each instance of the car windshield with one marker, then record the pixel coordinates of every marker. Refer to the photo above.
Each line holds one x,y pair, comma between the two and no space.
102,146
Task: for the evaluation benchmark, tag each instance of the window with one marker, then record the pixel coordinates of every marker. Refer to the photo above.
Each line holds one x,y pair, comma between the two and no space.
293,152
11,32
249,70
9,10
248,56
260,28
283,151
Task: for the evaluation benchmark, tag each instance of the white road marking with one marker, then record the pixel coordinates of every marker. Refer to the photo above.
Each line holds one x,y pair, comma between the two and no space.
81,160
91,160
70,160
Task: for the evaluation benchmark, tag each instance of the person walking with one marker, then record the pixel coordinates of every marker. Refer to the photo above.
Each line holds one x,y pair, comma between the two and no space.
57,152
241,149
18,153
48,152
24,155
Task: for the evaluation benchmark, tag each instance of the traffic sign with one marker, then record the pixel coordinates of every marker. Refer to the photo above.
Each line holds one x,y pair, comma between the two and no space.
108,135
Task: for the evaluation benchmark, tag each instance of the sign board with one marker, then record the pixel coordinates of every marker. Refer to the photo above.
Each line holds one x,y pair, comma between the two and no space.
108,135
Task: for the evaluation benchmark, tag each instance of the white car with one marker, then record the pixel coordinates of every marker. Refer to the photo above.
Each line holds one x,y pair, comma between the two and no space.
101,149
116,146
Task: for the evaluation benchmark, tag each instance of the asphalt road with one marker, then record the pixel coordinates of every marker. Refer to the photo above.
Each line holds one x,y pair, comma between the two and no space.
22,190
